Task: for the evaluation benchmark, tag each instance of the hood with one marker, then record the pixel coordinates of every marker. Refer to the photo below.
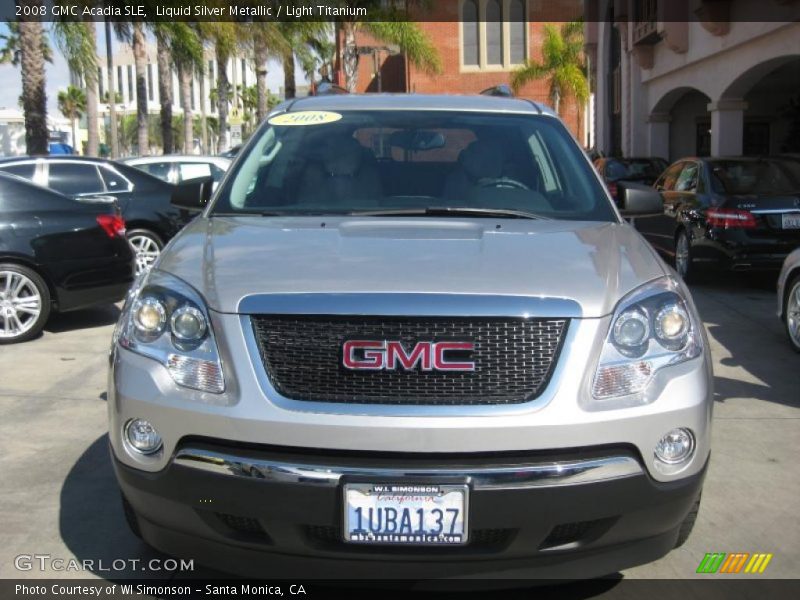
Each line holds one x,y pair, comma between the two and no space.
591,264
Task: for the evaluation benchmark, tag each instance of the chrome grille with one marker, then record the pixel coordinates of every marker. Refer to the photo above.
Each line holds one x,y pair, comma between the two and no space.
513,357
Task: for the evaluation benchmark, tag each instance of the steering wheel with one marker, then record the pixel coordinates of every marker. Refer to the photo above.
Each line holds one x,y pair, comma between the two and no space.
502,182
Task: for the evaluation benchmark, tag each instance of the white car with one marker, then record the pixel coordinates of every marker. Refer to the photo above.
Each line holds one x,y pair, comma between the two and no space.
176,168
789,297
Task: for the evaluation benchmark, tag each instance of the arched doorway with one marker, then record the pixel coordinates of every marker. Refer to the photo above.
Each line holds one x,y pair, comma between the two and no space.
771,106
680,125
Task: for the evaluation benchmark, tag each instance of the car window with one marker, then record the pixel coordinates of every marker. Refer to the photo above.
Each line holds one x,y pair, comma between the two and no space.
75,178
193,171
216,173
764,177
670,176
413,160
687,180
162,170
25,170
114,181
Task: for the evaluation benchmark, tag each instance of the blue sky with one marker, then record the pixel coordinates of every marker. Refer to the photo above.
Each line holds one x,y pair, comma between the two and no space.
58,76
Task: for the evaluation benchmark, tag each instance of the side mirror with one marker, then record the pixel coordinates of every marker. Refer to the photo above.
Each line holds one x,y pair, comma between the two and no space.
193,194
638,200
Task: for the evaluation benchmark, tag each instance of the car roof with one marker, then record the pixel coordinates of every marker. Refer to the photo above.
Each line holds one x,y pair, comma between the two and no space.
473,103
174,158
62,157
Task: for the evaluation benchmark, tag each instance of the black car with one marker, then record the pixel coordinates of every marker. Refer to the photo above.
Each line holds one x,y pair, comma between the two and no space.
144,199
737,213
644,170
56,254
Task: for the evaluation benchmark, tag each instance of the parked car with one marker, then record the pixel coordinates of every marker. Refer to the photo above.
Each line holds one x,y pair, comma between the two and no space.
176,168
644,170
144,200
411,336
789,297
734,213
56,254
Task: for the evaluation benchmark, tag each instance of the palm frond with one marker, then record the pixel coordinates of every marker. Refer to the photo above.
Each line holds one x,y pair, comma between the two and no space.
411,40
530,71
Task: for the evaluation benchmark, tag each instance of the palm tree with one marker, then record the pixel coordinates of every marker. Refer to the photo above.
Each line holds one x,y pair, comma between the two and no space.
225,37
72,104
26,45
163,34
562,65
132,33
187,55
78,43
390,25
300,39
268,40
112,106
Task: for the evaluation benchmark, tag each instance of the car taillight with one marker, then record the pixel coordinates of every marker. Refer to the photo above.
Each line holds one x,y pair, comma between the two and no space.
731,219
113,225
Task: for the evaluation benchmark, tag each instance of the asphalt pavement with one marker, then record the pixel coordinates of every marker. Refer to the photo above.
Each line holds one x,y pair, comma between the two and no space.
59,497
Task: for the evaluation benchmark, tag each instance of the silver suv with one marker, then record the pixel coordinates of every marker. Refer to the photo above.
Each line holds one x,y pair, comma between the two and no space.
411,336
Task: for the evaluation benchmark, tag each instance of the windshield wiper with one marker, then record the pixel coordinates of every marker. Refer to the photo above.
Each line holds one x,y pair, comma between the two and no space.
450,211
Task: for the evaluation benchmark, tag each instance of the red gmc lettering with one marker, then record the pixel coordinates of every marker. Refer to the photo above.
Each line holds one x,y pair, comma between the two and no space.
374,355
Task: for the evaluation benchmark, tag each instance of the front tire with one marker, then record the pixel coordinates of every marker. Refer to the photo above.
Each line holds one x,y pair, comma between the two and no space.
684,257
791,312
147,248
24,303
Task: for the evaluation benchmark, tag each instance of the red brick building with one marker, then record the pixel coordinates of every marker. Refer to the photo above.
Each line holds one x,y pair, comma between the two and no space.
478,49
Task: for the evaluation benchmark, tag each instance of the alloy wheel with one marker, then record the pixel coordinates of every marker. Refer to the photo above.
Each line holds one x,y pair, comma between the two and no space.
20,304
146,250
793,314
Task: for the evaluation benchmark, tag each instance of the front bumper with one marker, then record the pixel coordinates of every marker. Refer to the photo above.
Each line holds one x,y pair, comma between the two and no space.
272,512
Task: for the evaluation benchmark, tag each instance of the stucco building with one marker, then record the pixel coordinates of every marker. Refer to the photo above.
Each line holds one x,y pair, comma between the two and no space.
674,78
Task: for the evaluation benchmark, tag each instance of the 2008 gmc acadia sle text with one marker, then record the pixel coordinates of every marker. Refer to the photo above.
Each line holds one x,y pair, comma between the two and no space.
411,337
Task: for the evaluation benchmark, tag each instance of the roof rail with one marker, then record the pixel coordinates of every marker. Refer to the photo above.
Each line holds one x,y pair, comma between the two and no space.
328,89
503,90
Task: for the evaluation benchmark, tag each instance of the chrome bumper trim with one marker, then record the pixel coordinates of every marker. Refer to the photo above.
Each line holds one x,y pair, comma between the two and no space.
545,474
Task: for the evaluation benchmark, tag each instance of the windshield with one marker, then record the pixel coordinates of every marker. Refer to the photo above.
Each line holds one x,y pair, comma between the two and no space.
635,169
764,177
316,162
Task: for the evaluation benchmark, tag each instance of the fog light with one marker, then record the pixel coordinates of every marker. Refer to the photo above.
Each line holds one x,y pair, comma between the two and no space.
142,436
675,447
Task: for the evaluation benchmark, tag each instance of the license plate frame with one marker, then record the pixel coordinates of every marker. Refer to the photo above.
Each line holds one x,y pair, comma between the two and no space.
790,220
444,495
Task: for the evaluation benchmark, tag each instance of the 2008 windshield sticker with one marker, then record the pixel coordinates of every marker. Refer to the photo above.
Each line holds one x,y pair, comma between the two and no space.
305,117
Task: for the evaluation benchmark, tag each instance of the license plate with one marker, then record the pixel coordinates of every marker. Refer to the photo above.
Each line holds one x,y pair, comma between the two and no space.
410,514
791,220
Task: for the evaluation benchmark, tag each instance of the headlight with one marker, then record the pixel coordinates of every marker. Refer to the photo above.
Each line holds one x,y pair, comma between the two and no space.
652,328
165,319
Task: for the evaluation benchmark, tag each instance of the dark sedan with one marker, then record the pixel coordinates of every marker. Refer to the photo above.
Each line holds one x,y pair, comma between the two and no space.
644,170
144,199
56,254
737,213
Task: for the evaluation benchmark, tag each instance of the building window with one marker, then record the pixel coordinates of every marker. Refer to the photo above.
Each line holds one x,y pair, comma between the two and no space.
702,141
191,92
211,74
494,34
119,81
755,140
471,33
517,24
244,73
150,82
100,87
130,84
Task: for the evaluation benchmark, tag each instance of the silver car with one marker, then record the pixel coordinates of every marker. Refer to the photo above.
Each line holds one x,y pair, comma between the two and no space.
789,297
411,336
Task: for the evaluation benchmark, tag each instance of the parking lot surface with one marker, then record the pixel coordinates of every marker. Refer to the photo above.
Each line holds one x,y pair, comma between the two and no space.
60,498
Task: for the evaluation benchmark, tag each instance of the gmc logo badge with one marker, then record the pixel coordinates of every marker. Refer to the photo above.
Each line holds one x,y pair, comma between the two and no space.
377,355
